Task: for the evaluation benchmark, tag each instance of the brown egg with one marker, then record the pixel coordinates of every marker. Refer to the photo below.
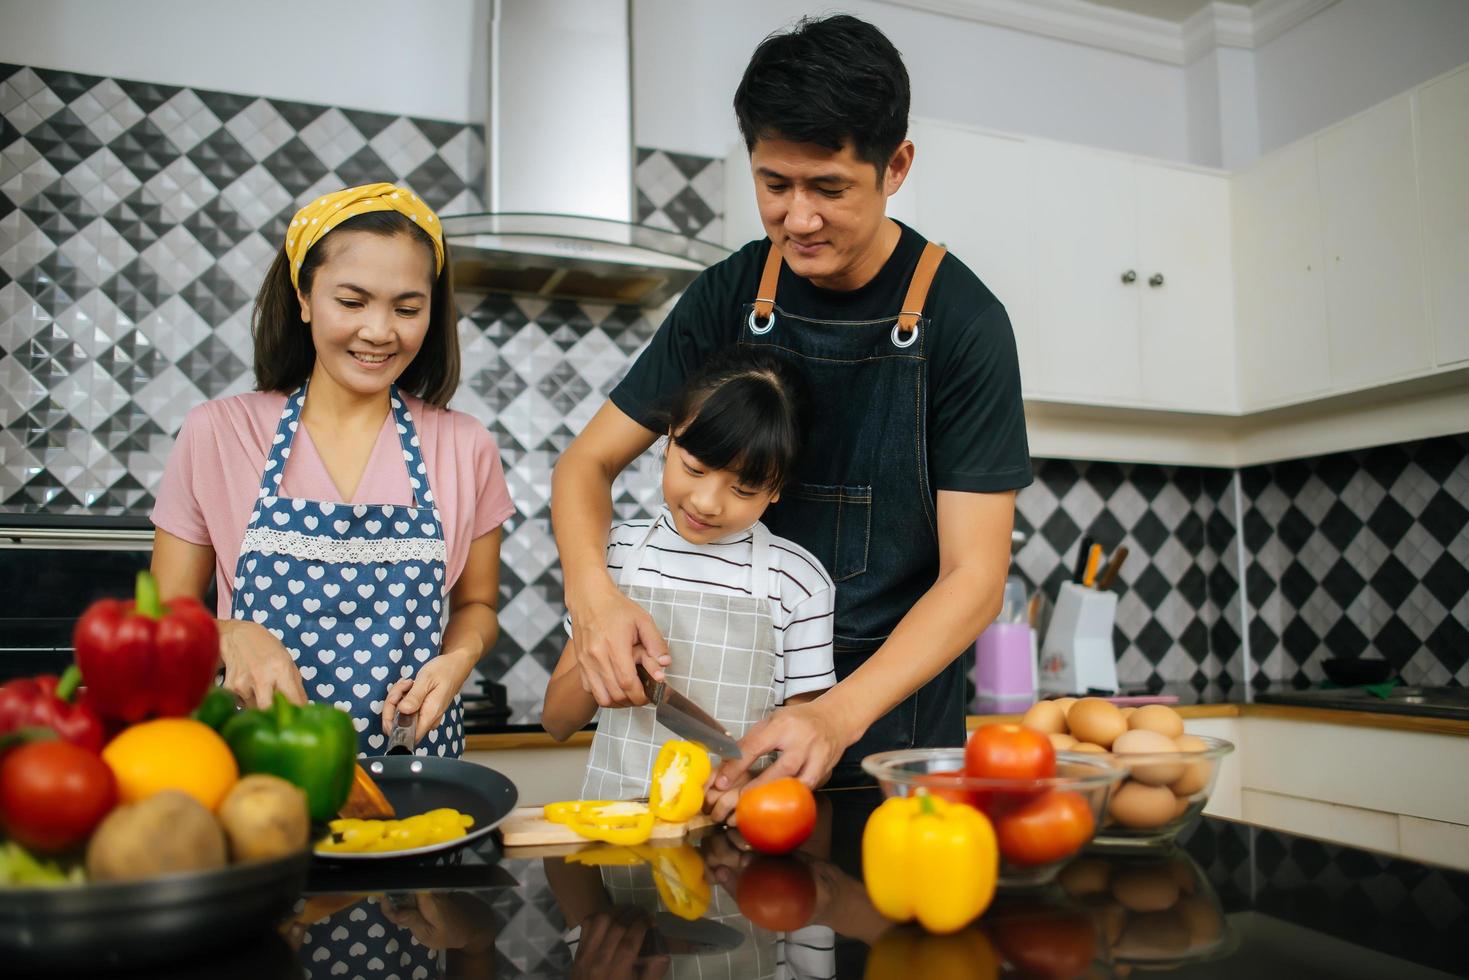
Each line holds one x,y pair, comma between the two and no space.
1141,741
1195,774
1088,747
1183,873
1153,935
1127,712
1141,806
1157,718
1146,889
1181,807
1085,876
1096,721
1060,741
1045,716
1065,705
1203,920
1113,919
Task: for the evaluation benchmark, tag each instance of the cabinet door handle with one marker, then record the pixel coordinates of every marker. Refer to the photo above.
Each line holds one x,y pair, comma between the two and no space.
1155,280
1129,277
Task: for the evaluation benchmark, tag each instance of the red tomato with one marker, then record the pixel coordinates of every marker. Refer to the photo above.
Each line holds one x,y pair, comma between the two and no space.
53,793
776,893
1049,828
1009,752
776,816
940,784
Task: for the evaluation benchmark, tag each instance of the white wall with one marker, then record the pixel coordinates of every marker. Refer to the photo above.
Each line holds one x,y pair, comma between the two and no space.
1350,56
688,56
407,57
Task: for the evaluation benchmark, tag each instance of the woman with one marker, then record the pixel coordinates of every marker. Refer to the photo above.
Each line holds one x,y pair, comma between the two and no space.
355,534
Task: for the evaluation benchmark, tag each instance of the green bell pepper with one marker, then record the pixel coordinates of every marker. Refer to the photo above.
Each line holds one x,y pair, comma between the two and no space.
313,747
217,708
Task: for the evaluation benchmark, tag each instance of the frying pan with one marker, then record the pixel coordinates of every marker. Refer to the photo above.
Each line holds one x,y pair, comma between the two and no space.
419,783
1354,673
132,924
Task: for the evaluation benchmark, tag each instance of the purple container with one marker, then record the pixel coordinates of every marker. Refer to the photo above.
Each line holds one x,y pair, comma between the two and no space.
1004,662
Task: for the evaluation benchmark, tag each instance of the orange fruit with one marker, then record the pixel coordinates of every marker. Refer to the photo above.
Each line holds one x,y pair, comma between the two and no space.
171,753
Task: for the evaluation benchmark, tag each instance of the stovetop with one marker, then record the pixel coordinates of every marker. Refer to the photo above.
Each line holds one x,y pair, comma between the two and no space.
1432,702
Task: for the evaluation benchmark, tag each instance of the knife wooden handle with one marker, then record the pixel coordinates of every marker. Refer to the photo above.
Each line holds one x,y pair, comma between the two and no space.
653,689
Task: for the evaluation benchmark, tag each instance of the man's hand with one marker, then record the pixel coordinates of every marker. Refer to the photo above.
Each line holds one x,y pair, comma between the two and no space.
809,742
610,635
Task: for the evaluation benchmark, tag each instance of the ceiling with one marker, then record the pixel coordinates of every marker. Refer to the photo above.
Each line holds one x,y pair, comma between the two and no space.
1173,11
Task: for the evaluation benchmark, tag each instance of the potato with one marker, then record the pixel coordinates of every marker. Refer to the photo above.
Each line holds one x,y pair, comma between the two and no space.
265,817
166,833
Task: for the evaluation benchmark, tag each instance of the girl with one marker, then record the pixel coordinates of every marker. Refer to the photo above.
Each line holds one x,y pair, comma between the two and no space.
747,615
354,534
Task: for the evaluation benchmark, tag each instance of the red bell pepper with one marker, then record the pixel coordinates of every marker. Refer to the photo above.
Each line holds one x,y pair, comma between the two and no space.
46,702
142,659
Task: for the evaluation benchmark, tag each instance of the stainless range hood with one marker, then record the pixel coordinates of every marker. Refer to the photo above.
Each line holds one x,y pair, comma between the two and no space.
558,143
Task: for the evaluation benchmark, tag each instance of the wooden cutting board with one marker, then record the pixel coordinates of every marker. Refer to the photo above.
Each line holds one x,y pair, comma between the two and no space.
526,827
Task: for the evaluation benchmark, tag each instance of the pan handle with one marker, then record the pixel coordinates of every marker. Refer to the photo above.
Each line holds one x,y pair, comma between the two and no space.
400,742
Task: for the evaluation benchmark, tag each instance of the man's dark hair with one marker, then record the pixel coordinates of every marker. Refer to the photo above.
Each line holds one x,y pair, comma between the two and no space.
826,81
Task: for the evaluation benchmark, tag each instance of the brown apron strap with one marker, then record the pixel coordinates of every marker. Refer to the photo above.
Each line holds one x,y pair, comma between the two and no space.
765,295
928,264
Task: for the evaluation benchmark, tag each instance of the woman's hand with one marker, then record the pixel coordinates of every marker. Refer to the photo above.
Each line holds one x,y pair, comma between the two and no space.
256,665
428,693
610,635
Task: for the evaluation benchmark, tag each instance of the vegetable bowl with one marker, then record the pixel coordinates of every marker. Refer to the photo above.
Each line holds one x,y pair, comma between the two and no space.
1040,824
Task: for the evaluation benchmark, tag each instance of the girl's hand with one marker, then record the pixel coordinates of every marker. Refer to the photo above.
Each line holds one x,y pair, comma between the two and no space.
256,665
427,694
610,635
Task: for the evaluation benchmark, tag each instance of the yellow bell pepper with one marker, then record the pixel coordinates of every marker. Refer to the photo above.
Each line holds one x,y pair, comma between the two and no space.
676,792
678,872
609,821
929,859
353,836
609,856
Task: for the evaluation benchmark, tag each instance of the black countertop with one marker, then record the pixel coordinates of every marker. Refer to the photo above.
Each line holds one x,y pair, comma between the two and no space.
1228,901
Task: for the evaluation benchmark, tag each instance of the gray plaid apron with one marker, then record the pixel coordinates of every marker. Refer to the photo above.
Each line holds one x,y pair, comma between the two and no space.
723,652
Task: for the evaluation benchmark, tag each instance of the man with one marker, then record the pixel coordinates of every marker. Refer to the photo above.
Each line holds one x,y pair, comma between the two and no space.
918,439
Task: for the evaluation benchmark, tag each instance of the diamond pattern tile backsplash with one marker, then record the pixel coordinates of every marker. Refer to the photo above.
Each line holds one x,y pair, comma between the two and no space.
137,219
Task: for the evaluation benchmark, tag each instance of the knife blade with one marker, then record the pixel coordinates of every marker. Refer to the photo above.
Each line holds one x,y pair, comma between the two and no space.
679,714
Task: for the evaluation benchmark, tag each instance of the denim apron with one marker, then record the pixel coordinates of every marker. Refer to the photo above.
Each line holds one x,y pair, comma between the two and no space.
863,503
723,653
356,593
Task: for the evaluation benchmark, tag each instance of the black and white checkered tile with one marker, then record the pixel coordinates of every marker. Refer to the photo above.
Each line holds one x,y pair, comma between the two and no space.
1360,554
136,221
1177,602
681,192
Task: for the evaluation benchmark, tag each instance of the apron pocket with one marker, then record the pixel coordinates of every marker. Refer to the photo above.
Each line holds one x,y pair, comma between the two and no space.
835,524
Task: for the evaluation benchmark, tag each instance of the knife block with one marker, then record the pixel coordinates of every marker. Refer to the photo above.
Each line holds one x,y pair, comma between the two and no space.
1077,655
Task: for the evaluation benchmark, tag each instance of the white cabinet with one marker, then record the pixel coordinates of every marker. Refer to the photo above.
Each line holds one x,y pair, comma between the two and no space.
1443,159
1281,292
967,191
1373,244
1186,288
1084,238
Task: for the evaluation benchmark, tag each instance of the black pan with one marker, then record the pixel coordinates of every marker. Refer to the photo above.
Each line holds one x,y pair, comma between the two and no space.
133,924
419,783
1354,673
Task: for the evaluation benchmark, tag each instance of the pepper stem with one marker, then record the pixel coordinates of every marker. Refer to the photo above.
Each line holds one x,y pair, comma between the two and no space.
925,802
282,711
148,603
71,679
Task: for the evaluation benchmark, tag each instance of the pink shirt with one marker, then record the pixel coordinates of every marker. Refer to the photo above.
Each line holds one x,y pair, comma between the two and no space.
213,476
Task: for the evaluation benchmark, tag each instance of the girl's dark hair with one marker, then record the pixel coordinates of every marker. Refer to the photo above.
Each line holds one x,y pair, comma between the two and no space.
826,81
284,354
746,411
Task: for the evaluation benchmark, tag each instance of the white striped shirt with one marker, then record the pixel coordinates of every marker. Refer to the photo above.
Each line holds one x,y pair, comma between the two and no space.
802,596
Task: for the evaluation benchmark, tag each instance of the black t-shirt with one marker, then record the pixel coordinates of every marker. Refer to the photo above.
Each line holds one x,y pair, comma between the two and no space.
976,422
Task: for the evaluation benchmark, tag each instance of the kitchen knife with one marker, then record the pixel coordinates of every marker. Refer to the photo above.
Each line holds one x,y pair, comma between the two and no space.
686,719
1082,552
1113,566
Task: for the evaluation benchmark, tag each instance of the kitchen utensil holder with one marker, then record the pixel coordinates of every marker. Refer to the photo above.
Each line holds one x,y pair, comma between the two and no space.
1077,655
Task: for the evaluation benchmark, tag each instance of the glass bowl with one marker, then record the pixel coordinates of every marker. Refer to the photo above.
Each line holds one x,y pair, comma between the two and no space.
1081,781
1162,793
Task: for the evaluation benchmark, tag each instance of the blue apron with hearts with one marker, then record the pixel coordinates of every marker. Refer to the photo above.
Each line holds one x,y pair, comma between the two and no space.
356,593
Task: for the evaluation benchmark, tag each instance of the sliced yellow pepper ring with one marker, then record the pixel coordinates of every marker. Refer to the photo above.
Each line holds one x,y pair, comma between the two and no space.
601,857
676,791
353,836
563,811
616,822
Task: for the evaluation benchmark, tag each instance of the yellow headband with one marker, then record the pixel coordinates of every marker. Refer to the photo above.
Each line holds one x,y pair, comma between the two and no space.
313,221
